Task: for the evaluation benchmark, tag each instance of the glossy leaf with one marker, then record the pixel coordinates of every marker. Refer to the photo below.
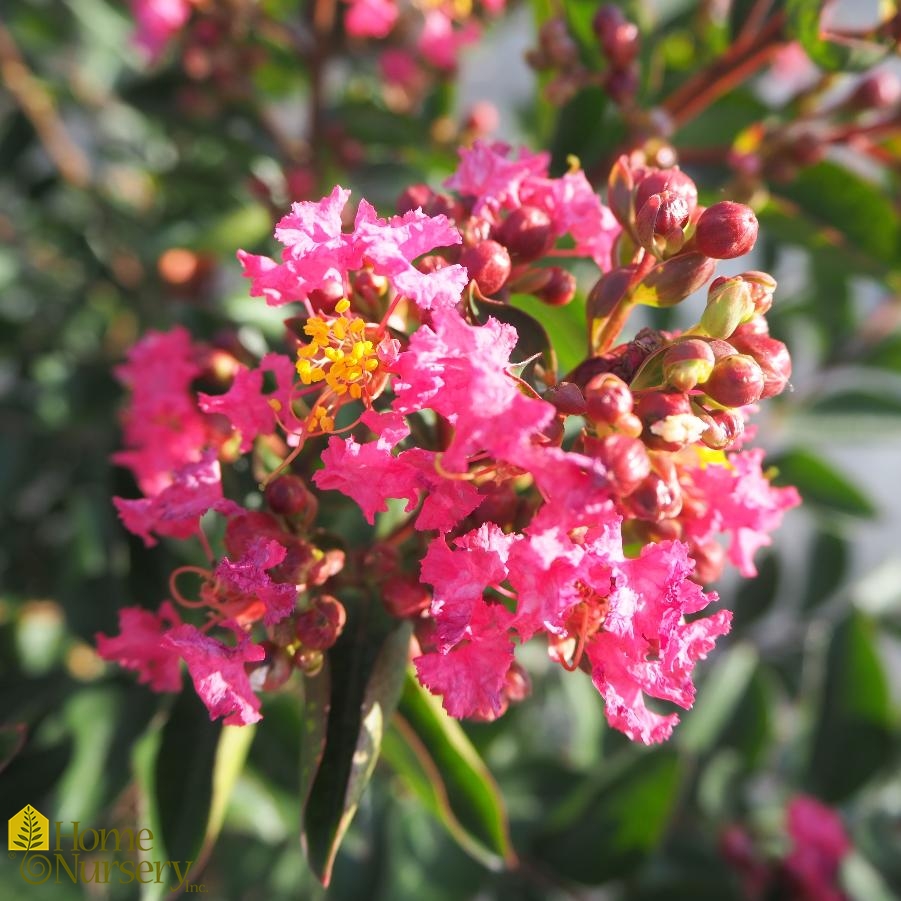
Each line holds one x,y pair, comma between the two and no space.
820,484
612,820
852,738
848,55
367,668
827,569
432,754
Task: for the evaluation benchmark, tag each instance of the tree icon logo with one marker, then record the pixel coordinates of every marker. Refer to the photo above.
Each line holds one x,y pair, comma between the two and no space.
29,831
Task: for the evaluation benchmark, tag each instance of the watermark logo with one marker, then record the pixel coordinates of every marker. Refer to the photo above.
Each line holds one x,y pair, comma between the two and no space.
29,830
83,855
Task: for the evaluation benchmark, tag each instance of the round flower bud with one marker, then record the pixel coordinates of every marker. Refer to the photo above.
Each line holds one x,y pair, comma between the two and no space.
726,230
320,626
878,90
414,197
309,661
404,597
607,399
245,528
517,684
660,221
324,299
300,558
618,37
567,398
771,355
488,265
625,459
724,428
621,85
557,44
655,181
710,558
735,381
688,363
273,671
655,498
654,409
729,304
288,495
526,233
559,288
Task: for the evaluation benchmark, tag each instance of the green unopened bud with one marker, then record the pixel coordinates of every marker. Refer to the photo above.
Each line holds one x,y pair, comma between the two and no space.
729,304
673,280
688,363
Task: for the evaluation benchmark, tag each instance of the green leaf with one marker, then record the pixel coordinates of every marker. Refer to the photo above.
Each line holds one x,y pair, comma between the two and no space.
367,668
187,771
433,755
853,736
855,210
612,821
828,566
834,56
755,597
582,130
12,740
533,340
820,485
858,403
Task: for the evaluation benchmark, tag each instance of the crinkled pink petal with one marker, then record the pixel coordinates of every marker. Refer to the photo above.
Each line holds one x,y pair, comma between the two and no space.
459,371
158,21
244,405
486,173
370,18
391,246
471,675
742,502
278,283
139,646
163,429
219,673
459,577
445,502
247,576
175,512
440,43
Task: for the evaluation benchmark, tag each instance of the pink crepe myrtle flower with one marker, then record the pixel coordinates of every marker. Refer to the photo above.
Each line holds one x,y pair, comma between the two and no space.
459,371
219,674
819,844
162,426
157,22
370,18
318,254
736,498
139,646
175,512
248,577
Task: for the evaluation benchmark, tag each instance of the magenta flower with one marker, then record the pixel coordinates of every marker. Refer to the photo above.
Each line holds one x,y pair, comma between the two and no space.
440,42
370,18
157,22
819,844
139,646
248,577
219,674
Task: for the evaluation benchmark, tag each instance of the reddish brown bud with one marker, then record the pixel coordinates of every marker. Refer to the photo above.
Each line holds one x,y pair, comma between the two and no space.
273,671
320,626
618,37
413,197
326,565
626,460
655,181
655,498
621,85
688,363
673,280
710,558
735,381
488,264
404,597
659,223
878,90
661,413
557,45
526,233
726,230
369,286
309,661
567,398
559,288
517,684
242,530
607,399
771,355
300,557
724,428
288,495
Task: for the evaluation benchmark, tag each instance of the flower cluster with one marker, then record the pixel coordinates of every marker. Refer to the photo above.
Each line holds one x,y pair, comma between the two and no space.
585,511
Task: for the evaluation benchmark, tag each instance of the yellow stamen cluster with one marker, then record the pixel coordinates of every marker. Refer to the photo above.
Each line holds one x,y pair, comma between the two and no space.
338,353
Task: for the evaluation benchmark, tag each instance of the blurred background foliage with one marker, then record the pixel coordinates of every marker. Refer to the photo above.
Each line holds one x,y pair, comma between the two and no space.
123,196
